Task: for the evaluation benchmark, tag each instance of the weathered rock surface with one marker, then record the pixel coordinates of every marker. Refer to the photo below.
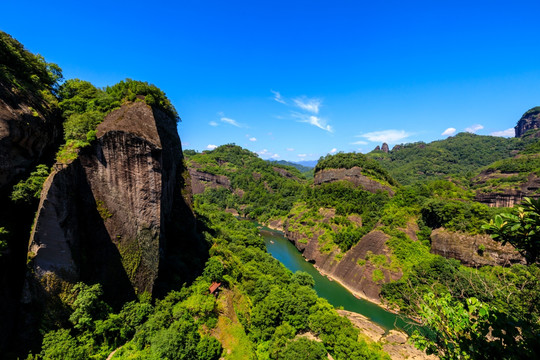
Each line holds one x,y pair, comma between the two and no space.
26,132
284,173
506,197
357,277
385,148
395,343
473,250
111,216
202,180
529,121
353,175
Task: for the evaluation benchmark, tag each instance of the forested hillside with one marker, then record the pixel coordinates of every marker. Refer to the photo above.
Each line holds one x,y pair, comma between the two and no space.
458,155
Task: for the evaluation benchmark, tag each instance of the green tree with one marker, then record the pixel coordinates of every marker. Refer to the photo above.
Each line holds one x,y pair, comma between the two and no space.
3,242
87,307
521,230
30,189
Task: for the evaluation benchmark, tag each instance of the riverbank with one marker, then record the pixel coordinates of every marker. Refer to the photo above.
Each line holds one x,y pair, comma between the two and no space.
277,225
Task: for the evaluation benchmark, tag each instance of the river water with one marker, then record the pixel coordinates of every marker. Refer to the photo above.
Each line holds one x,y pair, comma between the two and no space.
284,251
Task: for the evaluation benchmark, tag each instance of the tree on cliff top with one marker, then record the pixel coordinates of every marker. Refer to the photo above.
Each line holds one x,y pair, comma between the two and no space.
521,230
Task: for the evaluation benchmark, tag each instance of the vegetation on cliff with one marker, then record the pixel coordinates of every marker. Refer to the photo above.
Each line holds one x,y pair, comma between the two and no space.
457,155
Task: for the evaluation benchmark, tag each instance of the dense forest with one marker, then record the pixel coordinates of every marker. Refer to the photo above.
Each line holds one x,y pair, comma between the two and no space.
244,304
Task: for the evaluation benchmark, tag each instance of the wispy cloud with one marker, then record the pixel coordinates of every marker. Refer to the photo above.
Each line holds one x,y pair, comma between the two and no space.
333,151
275,156
312,105
278,97
213,123
302,155
230,121
252,139
387,136
449,132
313,120
360,142
290,149
211,146
505,133
474,128
268,154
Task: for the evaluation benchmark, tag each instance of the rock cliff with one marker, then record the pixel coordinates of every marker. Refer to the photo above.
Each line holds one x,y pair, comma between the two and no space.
28,128
351,269
353,175
505,197
202,180
473,250
529,121
118,214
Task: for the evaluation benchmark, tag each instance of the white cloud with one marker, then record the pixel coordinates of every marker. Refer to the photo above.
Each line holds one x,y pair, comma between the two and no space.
387,136
252,139
211,147
505,133
313,120
277,97
334,150
312,105
213,123
230,121
360,142
449,132
290,149
302,155
263,152
474,128
275,156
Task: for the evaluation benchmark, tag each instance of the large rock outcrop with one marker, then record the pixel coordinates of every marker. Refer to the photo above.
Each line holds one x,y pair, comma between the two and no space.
28,128
353,175
473,250
505,196
202,180
529,121
351,269
118,214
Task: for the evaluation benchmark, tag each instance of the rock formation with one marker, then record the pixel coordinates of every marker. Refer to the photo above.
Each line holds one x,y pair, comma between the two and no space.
473,250
28,128
529,121
385,148
202,180
117,213
353,175
350,270
505,197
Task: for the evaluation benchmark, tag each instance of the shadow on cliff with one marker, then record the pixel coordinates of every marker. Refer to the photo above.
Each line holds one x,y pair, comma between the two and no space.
184,250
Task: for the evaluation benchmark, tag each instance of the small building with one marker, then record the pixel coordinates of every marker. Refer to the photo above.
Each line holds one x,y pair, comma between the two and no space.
214,288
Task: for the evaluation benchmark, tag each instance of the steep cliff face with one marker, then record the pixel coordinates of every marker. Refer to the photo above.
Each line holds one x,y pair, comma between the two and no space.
505,196
202,180
529,121
28,128
117,214
353,175
473,250
351,269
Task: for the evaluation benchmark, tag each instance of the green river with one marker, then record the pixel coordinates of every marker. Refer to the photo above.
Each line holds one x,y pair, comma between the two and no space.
284,251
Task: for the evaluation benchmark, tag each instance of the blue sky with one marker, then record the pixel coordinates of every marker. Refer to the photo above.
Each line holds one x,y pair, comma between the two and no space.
295,80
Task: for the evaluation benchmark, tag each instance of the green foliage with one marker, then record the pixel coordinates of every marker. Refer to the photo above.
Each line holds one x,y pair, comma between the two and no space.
369,167
460,154
61,345
456,215
77,126
3,242
131,90
303,349
521,230
457,331
258,190
26,72
26,191
87,307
